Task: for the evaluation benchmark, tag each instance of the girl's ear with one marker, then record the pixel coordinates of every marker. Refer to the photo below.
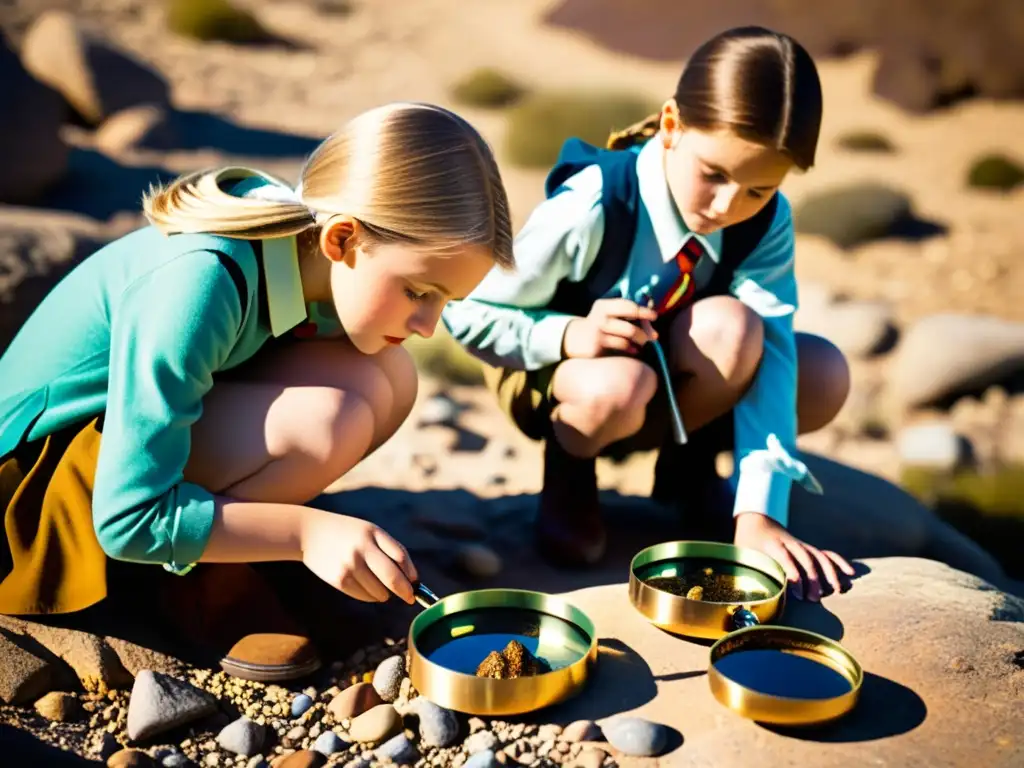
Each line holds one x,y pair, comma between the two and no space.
671,124
337,241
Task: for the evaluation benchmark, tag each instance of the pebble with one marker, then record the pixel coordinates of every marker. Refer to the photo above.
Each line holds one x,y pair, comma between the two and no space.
258,762
636,736
932,445
212,760
242,737
398,750
479,561
591,757
130,758
300,704
328,742
160,703
376,725
353,701
549,732
59,706
387,679
484,759
294,736
177,760
476,724
305,758
581,730
481,741
438,726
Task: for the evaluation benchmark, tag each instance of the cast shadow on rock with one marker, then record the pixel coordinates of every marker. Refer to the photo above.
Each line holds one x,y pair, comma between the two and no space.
20,747
885,708
194,131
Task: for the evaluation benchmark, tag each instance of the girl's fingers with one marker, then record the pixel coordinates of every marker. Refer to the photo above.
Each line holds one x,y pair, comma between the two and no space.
387,573
393,548
812,589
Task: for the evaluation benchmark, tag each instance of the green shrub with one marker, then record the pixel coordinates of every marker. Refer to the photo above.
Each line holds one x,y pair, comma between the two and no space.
986,507
444,358
210,20
541,122
487,88
852,215
866,141
995,172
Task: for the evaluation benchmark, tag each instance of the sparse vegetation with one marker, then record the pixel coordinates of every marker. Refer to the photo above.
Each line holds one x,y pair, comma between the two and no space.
866,141
852,215
541,122
214,20
995,172
986,507
444,358
487,88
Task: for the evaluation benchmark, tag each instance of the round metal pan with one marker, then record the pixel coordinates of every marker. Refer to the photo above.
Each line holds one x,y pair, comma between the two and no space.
770,674
451,639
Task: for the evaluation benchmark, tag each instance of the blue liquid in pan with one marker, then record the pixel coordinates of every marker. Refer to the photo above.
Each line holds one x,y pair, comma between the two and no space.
779,673
460,642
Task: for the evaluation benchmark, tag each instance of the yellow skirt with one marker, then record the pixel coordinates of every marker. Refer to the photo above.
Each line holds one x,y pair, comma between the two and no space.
50,559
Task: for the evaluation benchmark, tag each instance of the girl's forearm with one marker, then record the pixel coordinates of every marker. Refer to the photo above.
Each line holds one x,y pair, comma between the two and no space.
249,532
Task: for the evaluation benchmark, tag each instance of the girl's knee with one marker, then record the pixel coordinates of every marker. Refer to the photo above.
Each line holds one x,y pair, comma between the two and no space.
731,334
329,431
623,394
403,379
824,381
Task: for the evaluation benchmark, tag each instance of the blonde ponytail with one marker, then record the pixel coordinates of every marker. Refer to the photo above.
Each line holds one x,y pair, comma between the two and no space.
200,202
636,133
408,172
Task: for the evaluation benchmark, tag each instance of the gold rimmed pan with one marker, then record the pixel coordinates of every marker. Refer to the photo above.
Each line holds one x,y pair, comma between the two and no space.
768,673
451,639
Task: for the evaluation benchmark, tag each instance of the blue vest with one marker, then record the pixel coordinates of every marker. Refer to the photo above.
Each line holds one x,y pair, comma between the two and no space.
620,198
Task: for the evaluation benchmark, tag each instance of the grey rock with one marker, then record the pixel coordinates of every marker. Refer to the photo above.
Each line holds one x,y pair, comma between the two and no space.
481,741
328,742
484,759
300,704
387,679
159,703
243,737
438,726
636,736
398,750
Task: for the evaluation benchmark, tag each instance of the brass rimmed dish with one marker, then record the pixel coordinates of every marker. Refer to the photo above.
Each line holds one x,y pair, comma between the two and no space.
767,673
453,635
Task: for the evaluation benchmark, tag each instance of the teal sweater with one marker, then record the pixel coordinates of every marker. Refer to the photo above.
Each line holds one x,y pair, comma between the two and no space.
136,332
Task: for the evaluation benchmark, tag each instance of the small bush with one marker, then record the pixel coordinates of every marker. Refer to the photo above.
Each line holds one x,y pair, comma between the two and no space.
487,88
444,358
866,141
986,507
853,215
995,172
210,20
540,123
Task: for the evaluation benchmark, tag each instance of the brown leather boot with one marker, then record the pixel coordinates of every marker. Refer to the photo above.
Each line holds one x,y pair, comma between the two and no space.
230,610
569,529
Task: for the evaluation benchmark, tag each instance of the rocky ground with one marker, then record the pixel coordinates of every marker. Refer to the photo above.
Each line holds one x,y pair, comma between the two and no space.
929,316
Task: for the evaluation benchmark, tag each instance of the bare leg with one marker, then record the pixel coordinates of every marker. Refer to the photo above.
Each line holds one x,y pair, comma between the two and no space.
299,420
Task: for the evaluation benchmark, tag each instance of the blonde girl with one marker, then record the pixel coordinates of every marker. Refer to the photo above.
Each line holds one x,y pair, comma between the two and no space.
182,394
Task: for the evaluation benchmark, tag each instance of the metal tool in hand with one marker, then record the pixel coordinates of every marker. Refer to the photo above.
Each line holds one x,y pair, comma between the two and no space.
644,298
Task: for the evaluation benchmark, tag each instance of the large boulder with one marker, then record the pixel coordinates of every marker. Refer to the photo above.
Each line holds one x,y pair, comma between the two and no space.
942,654
932,52
32,153
95,75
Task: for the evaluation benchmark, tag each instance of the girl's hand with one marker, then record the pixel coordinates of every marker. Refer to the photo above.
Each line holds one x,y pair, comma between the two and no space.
613,325
764,534
357,557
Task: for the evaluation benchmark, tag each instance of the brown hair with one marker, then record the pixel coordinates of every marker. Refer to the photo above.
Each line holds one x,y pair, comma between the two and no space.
408,172
761,85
